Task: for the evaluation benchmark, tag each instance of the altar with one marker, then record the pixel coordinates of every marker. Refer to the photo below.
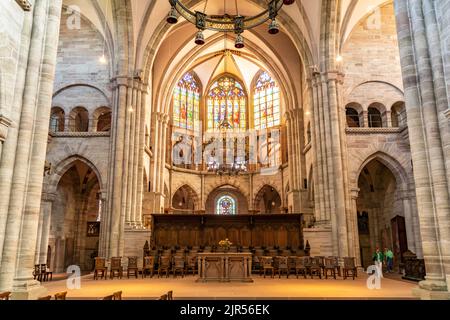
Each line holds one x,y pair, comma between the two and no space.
224,267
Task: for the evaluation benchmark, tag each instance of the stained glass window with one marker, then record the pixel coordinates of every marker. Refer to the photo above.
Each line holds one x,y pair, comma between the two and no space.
226,205
226,98
266,102
186,103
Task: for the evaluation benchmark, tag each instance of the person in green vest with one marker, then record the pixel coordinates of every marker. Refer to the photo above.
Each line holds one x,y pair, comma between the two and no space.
378,258
389,259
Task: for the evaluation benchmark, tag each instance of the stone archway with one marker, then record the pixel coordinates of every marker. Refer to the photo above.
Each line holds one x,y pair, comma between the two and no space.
75,218
184,200
268,200
381,212
240,200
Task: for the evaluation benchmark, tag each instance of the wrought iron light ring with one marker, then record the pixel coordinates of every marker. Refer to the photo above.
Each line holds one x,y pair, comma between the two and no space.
227,23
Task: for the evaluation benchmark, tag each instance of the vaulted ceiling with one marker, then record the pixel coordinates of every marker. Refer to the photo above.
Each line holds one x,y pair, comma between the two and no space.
147,16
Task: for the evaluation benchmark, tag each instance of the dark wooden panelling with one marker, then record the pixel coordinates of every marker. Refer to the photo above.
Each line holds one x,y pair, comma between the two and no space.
262,230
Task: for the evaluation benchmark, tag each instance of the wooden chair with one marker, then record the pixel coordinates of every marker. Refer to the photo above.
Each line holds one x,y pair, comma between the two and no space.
336,264
164,266
100,266
5,296
117,295
116,267
45,298
37,272
329,267
132,267
163,297
321,260
267,264
314,267
349,269
282,266
45,273
291,264
149,265
178,265
170,295
191,264
301,266
61,296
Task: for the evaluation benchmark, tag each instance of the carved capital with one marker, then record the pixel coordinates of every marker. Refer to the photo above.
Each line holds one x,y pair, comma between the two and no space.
5,123
354,193
24,4
48,196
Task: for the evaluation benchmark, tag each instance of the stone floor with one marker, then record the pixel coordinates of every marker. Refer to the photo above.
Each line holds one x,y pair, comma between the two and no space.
187,289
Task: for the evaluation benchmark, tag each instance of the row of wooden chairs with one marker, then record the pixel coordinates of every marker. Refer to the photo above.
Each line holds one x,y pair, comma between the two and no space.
167,297
41,273
58,296
313,266
116,269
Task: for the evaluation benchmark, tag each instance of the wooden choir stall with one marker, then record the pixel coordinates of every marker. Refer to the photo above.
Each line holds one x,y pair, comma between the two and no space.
245,231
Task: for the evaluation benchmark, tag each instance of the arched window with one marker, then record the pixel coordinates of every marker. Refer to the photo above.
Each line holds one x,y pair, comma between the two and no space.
226,99
374,117
398,115
79,120
57,120
104,122
352,118
266,102
226,205
186,103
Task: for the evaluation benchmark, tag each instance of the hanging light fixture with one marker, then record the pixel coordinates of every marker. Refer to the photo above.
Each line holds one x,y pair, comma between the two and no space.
172,18
226,22
200,38
239,44
273,27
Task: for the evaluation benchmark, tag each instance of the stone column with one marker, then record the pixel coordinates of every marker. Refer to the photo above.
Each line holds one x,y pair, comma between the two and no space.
21,225
409,222
142,143
116,216
126,179
24,286
102,247
46,208
353,229
9,146
420,53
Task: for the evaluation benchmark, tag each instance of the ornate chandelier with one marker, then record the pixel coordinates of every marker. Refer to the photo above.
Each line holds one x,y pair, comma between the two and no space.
227,23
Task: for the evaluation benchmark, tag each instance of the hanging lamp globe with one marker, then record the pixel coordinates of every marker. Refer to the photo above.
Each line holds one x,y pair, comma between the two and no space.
199,38
274,27
172,18
239,44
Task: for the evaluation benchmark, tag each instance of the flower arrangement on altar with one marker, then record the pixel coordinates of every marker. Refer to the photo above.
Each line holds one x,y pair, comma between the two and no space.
225,244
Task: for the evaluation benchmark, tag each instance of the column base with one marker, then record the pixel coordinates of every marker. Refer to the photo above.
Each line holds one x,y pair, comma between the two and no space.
425,294
28,290
433,285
